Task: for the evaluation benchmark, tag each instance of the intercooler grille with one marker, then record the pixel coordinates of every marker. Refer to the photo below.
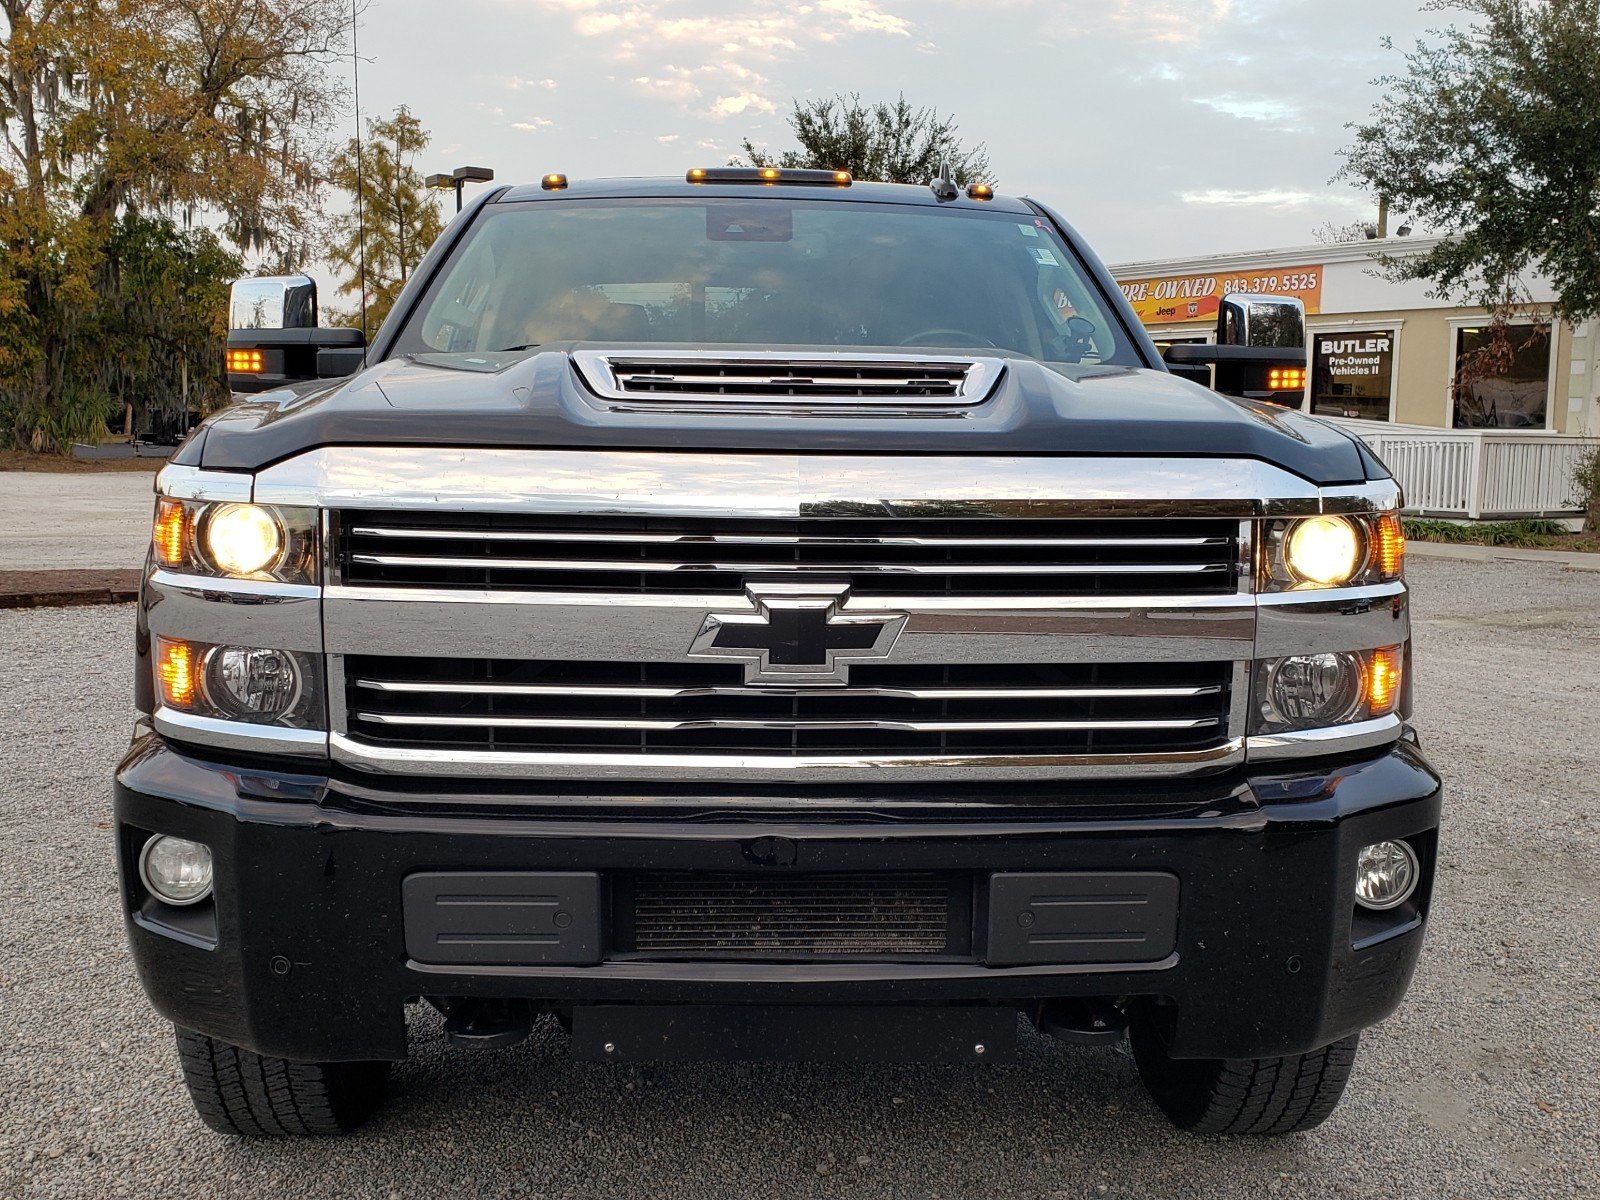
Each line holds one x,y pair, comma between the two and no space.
977,556
712,379
707,708
829,916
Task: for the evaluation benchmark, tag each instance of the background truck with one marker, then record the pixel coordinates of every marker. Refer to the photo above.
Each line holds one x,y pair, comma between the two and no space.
766,615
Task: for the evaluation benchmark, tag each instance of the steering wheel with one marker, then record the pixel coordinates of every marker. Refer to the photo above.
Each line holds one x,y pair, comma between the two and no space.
946,337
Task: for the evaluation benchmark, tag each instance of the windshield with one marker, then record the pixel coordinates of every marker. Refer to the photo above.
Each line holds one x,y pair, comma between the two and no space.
764,272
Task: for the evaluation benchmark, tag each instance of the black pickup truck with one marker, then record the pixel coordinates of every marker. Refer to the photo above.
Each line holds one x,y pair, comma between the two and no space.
764,615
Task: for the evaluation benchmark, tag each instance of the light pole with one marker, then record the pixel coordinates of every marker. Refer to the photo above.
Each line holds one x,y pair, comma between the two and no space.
457,179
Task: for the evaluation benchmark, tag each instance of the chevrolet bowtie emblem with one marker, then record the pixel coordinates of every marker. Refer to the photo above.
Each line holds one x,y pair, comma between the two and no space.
797,634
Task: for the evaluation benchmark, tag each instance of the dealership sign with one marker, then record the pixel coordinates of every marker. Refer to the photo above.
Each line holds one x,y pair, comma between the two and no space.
1174,298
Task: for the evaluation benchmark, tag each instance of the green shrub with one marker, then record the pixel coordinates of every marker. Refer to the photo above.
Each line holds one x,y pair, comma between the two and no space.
1586,478
1532,532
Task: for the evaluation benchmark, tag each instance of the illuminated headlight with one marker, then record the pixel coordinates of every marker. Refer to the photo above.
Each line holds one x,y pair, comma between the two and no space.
176,870
240,683
242,539
1332,551
1386,875
1316,691
236,541
1326,551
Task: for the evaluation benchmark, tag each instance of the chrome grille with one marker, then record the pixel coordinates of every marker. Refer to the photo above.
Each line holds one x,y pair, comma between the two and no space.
776,380
505,705
876,556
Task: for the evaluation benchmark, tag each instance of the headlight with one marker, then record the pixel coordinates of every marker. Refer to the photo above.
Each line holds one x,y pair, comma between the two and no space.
1323,550
243,539
1332,551
1317,691
236,541
240,683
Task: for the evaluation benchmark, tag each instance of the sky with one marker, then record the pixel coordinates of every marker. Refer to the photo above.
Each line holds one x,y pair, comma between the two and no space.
1156,127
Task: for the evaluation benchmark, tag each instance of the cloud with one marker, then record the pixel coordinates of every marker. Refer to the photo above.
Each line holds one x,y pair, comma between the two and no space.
733,106
1265,109
518,84
734,44
667,139
532,124
863,17
1267,198
1169,20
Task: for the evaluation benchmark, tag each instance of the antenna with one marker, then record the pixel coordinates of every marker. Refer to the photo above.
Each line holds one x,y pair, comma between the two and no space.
361,207
943,187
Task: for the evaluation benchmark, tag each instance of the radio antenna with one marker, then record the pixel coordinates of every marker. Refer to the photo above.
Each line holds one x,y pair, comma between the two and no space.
361,191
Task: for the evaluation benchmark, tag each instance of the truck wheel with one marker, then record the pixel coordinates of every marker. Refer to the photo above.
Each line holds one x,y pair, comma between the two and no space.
1242,1095
237,1091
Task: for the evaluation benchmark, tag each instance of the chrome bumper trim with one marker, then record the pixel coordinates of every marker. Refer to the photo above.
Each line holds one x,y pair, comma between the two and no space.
239,735
750,768
1360,735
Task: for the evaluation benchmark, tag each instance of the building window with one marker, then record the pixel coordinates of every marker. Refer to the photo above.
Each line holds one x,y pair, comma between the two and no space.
1352,374
1505,387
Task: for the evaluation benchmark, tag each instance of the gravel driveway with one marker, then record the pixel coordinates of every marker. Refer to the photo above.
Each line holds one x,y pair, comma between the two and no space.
1486,1084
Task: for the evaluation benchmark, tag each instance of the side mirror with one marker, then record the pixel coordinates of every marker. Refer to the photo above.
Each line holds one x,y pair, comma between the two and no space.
273,302
1278,322
274,338
1260,352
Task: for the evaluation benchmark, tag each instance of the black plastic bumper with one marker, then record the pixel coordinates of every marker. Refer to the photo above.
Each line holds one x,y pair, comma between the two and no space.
303,953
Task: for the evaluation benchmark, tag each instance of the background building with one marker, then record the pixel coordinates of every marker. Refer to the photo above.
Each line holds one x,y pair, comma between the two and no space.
1383,357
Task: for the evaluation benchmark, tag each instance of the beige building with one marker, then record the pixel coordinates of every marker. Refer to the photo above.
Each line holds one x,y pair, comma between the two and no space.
1382,357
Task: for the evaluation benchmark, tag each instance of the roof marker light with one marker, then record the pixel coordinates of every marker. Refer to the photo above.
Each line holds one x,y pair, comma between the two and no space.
553,182
797,177
979,191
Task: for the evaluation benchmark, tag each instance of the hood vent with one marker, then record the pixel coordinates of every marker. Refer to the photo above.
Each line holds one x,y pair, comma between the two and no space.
764,380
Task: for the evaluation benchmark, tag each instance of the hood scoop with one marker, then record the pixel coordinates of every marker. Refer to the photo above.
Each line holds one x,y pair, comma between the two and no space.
768,381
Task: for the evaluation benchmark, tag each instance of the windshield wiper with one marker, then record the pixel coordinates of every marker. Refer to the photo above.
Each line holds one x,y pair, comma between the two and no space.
514,349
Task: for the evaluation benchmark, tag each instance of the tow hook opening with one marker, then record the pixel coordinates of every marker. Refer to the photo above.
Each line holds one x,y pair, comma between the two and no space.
1092,1021
479,1024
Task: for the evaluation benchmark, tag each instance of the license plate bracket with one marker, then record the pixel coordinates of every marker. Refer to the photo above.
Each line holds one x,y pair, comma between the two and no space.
793,1033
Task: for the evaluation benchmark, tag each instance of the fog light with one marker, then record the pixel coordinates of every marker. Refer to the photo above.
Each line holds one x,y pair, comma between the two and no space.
1309,690
262,683
1386,875
176,870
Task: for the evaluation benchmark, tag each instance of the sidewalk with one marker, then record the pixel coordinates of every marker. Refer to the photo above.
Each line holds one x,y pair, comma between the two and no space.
73,538
1572,560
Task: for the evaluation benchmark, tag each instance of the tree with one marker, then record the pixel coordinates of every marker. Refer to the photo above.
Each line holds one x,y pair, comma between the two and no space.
889,143
1492,137
401,217
179,111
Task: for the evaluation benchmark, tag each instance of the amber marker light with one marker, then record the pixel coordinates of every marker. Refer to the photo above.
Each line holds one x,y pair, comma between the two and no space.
1391,546
843,177
171,533
697,174
1383,681
554,182
176,669
246,362
980,191
769,173
1286,379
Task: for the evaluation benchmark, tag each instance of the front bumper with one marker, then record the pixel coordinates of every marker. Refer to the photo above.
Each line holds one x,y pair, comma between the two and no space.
303,953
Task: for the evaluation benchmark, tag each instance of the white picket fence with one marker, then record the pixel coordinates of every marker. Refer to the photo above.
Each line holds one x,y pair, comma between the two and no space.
1477,473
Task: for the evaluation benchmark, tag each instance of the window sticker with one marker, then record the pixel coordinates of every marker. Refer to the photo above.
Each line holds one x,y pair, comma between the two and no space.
1045,257
1028,231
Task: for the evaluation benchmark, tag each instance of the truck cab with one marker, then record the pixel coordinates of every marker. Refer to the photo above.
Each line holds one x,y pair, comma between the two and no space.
767,615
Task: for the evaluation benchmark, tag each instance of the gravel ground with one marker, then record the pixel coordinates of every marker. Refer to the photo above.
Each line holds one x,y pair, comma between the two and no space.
1484,1085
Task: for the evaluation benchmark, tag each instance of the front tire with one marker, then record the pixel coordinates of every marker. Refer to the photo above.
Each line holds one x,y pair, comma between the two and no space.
1242,1095
237,1091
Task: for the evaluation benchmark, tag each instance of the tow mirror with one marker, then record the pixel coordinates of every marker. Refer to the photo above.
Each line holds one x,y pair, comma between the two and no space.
274,338
1278,322
1260,352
